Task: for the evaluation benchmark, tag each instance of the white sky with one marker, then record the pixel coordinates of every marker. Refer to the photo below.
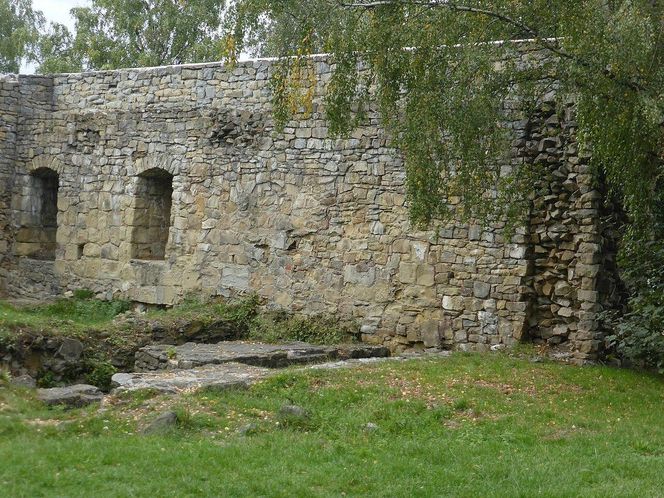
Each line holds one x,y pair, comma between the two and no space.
58,10
55,11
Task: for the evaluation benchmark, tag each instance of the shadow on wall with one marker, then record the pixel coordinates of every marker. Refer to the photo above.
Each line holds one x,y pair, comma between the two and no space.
152,215
36,236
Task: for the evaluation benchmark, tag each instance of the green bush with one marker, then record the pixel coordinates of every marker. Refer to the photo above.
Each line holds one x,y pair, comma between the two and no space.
83,294
638,335
46,379
100,373
279,326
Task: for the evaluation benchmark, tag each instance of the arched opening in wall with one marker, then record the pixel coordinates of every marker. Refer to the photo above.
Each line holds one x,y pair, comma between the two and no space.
36,238
152,214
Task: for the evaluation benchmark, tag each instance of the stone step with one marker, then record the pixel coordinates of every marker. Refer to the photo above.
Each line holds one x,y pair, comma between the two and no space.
192,355
224,376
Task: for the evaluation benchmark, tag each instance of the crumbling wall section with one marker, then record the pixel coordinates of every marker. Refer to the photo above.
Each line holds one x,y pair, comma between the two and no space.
572,238
33,275
9,98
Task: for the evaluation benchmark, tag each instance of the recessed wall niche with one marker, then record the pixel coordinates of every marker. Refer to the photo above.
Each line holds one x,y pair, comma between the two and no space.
152,214
36,237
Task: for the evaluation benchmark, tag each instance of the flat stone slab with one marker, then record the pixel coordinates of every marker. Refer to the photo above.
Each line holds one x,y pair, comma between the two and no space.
73,396
224,376
191,355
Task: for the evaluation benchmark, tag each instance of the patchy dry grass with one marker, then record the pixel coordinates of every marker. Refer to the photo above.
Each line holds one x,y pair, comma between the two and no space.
470,425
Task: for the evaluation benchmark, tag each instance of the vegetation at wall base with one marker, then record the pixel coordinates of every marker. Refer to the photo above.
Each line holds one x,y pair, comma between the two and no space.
111,334
638,334
468,425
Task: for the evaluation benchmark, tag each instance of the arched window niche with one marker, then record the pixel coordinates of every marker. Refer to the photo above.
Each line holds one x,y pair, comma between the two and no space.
152,214
36,238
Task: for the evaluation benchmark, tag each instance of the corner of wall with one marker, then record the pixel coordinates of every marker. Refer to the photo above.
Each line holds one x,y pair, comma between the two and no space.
9,109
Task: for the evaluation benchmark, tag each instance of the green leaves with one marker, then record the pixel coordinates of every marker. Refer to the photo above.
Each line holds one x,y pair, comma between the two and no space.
441,83
113,34
19,25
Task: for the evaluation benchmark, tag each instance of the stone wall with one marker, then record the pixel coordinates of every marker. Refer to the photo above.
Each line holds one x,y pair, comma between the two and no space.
9,99
313,224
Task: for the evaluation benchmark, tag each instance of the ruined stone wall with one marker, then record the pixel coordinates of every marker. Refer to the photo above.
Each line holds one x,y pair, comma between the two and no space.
8,122
313,224
574,276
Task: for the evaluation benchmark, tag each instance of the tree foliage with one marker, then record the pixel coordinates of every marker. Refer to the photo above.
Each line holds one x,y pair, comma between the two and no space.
113,34
55,51
19,32
433,64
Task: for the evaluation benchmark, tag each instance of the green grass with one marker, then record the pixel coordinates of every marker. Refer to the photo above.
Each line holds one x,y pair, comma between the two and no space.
74,315
470,425
82,316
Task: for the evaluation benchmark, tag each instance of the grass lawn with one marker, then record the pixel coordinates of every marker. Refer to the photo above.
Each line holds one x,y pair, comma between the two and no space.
469,425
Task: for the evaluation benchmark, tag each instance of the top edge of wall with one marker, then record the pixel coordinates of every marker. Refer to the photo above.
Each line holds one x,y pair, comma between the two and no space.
241,63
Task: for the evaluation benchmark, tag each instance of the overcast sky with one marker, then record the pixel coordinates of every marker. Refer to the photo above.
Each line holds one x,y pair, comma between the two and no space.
56,11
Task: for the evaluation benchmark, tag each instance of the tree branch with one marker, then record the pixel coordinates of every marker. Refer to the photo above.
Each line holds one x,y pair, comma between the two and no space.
544,42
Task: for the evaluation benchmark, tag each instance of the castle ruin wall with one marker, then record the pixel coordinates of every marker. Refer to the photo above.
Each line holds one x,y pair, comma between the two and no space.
173,181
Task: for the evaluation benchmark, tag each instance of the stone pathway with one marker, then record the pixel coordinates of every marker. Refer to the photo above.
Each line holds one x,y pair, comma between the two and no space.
171,369
191,355
224,376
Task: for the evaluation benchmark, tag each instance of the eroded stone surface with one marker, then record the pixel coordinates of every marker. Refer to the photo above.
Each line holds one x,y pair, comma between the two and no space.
191,355
224,376
163,423
73,396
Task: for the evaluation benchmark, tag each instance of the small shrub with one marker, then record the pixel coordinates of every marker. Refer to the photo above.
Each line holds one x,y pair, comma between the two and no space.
46,379
83,294
279,326
100,374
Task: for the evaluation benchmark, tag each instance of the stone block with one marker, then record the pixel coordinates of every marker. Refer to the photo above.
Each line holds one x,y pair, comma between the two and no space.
408,273
453,303
481,289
